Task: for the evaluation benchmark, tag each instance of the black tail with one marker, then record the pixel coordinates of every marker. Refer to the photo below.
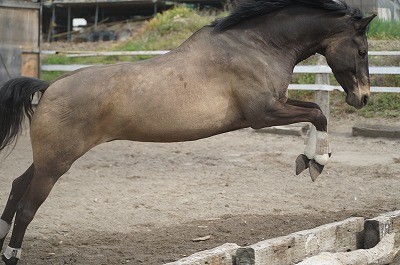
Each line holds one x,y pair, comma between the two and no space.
15,102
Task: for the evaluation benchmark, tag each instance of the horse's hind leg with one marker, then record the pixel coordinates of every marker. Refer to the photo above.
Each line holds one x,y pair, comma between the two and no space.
19,187
39,188
51,159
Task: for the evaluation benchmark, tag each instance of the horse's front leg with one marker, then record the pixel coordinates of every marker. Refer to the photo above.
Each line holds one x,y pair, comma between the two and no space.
317,149
316,154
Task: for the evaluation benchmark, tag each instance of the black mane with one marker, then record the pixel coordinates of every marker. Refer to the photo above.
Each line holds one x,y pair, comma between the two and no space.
252,8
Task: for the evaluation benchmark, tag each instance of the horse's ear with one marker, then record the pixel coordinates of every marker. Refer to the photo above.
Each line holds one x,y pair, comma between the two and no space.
362,24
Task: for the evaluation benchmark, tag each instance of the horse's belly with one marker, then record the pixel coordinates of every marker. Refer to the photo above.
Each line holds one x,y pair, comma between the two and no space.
182,122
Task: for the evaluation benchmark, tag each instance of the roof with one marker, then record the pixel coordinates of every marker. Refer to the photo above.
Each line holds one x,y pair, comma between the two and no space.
96,2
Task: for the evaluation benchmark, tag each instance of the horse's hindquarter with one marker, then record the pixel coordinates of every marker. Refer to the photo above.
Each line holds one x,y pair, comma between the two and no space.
169,98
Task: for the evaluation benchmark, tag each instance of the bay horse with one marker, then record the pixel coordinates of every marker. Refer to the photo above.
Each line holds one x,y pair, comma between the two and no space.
231,74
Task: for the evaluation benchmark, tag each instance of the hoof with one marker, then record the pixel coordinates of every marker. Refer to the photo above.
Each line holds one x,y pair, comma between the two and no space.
11,261
315,170
302,163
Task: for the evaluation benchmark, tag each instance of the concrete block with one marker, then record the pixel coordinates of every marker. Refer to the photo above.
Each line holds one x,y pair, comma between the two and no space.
381,254
378,227
375,131
335,237
222,255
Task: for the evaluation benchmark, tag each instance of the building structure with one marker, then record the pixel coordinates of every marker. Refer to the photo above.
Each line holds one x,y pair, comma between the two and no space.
19,39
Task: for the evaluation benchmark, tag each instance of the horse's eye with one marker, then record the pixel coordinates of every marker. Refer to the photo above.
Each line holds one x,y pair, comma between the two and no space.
362,53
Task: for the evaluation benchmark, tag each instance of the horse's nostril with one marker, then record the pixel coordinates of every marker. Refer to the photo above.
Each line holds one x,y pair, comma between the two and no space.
365,99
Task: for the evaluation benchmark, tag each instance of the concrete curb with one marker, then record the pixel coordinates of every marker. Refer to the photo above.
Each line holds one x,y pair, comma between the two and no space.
351,234
377,228
223,255
291,249
374,131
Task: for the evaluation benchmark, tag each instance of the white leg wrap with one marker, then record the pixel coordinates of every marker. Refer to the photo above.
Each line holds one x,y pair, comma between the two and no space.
12,253
311,144
322,148
4,228
317,146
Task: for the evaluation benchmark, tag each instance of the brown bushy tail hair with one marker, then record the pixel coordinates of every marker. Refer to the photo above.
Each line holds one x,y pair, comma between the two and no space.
16,97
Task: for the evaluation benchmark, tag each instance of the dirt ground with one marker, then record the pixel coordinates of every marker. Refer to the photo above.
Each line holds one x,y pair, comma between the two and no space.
143,203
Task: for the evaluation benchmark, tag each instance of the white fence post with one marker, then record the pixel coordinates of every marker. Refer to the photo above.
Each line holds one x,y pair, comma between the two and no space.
322,96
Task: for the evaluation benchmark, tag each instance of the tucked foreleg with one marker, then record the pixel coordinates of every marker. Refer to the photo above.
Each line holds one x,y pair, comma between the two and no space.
293,111
316,153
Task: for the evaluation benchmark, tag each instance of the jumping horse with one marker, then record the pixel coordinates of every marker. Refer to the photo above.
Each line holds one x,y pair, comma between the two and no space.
231,74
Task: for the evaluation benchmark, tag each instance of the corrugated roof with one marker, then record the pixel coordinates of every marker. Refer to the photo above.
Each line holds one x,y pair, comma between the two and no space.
92,1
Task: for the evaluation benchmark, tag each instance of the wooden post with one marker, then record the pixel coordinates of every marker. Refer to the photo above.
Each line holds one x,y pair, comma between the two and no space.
96,17
30,64
69,24
322,97
155,7
52,23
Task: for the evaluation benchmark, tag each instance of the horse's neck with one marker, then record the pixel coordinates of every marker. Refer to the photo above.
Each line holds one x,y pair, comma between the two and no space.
300,34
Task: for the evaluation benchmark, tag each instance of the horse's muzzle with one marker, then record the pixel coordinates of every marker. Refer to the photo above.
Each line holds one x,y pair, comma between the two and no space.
358,100
365,100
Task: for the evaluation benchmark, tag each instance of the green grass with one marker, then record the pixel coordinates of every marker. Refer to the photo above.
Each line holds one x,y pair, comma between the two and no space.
382,105
63,59
179,19
168,30
380,29
50,76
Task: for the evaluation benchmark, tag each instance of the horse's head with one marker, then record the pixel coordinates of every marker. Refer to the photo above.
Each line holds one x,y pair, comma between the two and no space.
347,55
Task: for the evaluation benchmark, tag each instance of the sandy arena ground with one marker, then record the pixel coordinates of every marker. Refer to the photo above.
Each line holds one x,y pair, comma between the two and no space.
142,203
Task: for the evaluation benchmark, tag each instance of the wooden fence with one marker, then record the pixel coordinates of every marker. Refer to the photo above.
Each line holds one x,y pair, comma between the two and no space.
321,87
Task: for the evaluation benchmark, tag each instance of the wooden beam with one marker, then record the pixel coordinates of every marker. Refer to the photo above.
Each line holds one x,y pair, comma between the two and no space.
19,4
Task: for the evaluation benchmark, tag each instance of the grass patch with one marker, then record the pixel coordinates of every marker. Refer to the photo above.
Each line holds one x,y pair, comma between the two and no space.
382,29
169,29
305,95
382,105
50,76
63,59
